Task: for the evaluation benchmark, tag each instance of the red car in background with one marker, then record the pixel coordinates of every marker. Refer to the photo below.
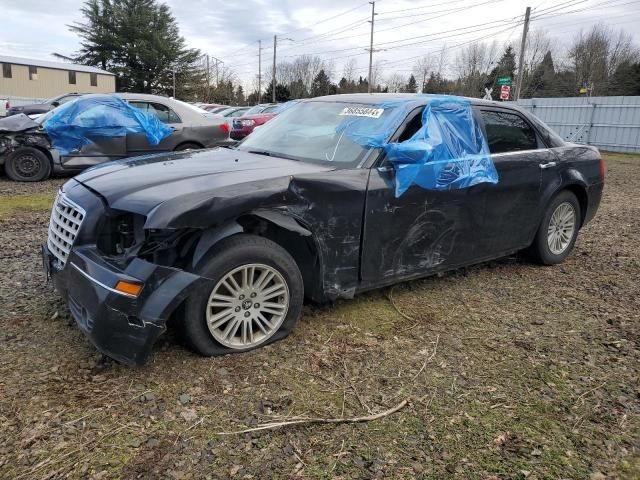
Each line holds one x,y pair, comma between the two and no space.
254,117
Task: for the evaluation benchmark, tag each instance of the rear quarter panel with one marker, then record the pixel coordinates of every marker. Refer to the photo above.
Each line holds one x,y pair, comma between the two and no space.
579,168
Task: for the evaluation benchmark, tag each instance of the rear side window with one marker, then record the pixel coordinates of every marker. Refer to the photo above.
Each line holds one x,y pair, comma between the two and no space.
164,113
508,132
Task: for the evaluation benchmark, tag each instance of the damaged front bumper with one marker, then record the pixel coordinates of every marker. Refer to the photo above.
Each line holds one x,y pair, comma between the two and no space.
122,326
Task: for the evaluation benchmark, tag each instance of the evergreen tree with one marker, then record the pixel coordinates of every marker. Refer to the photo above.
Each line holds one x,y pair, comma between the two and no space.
282,93
506,67
140,42
625,80
542,79
411,85
239,100
321,85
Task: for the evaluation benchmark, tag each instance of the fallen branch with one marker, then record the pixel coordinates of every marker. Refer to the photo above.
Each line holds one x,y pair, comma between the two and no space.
299,421
400,312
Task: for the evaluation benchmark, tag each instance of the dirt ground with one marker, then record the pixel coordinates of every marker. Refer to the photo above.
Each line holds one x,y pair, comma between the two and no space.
511,371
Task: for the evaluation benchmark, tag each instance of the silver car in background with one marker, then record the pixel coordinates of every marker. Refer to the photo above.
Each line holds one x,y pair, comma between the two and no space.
27,153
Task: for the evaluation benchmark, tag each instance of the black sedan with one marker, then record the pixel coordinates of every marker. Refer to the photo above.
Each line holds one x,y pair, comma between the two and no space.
335,196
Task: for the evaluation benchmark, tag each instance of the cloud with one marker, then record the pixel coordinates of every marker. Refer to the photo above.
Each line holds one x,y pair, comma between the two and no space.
336,30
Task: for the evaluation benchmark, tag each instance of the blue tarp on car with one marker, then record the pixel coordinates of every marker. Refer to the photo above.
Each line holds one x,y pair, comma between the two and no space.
449,151
75,123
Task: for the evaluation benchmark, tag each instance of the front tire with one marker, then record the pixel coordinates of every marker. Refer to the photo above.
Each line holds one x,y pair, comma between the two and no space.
27,164
254,298
558,230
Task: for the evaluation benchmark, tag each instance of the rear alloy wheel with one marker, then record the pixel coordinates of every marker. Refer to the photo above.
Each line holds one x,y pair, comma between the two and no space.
254,297
558,230
27,164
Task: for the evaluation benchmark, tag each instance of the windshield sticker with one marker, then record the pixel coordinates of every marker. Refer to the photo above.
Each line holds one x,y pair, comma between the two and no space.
362,112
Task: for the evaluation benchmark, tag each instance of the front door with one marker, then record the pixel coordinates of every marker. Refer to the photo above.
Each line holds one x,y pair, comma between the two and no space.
420,232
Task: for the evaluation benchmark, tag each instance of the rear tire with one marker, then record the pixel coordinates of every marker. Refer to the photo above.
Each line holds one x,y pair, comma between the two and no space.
558,230
250,315
187,146
27,164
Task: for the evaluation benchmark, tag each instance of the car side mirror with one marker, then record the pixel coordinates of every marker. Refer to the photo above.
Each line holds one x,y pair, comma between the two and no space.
55,104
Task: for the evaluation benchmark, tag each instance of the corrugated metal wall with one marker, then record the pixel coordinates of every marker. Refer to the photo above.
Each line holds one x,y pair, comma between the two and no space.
609,123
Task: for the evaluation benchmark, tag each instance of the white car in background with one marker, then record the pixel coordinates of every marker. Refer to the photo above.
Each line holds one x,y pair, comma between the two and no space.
4,106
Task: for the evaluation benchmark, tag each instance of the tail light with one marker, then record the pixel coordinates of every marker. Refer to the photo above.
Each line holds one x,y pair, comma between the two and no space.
224,127
7,105
601,169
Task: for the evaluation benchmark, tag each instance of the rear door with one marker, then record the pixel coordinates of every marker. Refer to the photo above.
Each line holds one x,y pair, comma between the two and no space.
520,156
138,144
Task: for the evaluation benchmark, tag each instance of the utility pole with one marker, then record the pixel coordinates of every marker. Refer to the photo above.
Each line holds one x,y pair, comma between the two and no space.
259,71
522,47
218,61
208,96
373,14
273,76
174,82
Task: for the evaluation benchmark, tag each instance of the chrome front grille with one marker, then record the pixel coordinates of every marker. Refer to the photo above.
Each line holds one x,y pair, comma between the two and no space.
66,218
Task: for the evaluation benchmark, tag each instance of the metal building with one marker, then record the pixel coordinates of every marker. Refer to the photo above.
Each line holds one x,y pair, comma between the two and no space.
609,123
25,78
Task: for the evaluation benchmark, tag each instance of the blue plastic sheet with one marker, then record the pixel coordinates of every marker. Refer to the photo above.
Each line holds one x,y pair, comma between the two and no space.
75,123
449,151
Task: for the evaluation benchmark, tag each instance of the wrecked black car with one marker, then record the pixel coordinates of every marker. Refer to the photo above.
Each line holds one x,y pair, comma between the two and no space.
335,196
93,129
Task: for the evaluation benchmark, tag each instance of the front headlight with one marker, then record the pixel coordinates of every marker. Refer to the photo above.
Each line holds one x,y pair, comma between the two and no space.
247,123
119,232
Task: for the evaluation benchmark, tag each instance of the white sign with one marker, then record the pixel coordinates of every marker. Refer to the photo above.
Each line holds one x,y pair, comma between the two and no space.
362,112
487,94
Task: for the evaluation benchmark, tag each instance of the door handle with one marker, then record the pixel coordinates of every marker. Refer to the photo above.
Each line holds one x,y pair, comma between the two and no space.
547,165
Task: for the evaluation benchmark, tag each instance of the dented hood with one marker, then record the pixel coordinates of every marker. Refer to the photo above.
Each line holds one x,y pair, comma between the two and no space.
179,189
17,123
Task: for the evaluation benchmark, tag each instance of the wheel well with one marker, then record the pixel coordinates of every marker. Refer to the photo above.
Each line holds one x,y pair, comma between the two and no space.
197,144
303,249
581,194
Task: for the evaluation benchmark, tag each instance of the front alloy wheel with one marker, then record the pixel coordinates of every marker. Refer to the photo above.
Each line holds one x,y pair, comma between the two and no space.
252,297
247,306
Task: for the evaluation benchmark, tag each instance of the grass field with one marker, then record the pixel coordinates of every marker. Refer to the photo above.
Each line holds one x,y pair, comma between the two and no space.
510,371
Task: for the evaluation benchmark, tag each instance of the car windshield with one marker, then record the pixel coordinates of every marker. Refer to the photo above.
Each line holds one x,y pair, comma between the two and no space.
319,132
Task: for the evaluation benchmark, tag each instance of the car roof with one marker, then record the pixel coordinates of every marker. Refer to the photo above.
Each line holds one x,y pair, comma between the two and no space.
419,98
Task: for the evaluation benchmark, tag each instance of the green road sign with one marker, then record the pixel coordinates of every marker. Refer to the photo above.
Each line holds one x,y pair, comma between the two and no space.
504,81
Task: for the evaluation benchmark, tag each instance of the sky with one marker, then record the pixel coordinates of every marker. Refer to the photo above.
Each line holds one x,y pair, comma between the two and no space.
335,30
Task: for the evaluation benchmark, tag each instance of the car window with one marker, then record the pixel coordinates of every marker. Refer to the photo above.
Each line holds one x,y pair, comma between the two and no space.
271,109
508,132
164,113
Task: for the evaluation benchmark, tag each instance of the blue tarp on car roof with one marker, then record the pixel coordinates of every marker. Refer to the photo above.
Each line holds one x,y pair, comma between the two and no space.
77,122
449,150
